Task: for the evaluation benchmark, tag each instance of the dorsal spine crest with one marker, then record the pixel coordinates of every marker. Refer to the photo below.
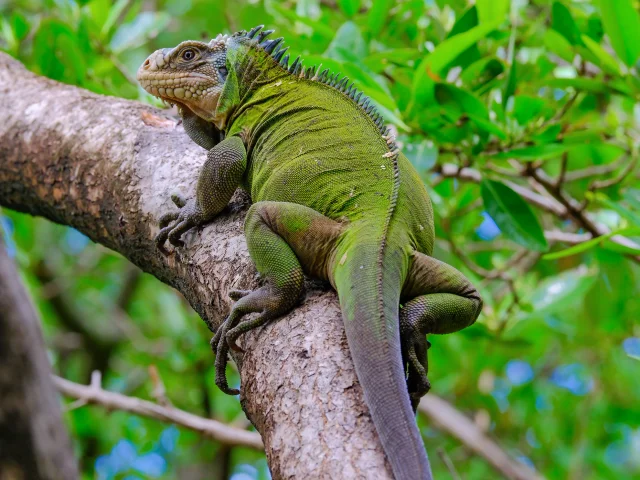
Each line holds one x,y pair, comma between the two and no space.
276,49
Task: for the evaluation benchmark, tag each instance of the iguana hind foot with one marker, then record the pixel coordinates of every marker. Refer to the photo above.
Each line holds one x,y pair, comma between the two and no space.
279,237
442,301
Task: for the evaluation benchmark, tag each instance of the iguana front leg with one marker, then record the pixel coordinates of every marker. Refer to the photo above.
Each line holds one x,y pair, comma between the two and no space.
283,239
442,300
218,180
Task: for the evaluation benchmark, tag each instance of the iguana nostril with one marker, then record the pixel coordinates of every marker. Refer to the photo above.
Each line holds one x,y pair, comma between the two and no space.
145,65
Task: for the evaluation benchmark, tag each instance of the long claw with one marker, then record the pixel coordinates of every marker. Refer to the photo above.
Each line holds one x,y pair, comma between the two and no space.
161,238
177,231
167,218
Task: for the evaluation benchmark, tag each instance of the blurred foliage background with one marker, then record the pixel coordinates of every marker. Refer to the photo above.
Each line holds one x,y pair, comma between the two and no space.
523,117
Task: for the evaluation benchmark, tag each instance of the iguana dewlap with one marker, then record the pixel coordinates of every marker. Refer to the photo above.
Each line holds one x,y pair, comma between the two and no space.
334,198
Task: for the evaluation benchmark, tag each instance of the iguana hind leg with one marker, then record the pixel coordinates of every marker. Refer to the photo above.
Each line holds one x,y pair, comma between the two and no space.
440,300
285,241
218,179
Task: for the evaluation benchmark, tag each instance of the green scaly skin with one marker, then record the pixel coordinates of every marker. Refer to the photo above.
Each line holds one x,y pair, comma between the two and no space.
334,199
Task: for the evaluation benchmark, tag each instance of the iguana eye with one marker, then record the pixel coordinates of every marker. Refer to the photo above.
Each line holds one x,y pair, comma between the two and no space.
188,54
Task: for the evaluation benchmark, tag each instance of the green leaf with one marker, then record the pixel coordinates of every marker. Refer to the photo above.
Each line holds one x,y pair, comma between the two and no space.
488,126
563,290
56,50
477,75
526,108
491,11
145,26
378,15
431,67
348,44
594,27
422,155
598,152
464,23
589,244
632,197
620,248
536,152
458,101
349,7
605,61
510,82
513,215
6,33
563,23
559,45
624,212
20,26
318,27
114,13
622,23
446,51
548,135
403,57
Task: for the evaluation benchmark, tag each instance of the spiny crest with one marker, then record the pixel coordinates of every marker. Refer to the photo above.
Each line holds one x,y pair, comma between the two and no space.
276,49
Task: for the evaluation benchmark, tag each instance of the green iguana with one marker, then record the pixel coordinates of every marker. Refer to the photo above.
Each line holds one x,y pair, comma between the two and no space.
333,198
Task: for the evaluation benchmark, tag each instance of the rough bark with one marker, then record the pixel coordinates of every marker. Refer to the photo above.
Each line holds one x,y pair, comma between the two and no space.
107,166
33,441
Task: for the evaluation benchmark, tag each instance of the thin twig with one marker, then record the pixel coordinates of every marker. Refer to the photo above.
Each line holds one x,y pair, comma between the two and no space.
114,401
159,393
599,184
593,171
447,418
566,237
449,464
563,170
450,170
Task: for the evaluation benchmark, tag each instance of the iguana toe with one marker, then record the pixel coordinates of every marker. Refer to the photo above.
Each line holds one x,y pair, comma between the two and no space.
174,224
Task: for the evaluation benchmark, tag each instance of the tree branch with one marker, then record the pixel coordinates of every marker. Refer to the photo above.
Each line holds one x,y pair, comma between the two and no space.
472,175
560,204
107,166
95,394
33,440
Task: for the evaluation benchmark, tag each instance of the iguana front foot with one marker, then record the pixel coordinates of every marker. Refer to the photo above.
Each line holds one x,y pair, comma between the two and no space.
270,301
174,224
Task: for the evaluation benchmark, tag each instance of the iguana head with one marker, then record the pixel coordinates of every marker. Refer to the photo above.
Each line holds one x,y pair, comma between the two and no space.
191,75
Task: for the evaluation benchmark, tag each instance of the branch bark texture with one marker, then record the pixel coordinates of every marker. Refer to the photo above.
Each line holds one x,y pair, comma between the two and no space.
33,440
107,167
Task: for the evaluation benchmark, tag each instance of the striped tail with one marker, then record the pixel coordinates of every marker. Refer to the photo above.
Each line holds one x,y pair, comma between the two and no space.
369,289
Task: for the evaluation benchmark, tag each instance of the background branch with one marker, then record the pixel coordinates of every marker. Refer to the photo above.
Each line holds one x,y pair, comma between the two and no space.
95,394
33,440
